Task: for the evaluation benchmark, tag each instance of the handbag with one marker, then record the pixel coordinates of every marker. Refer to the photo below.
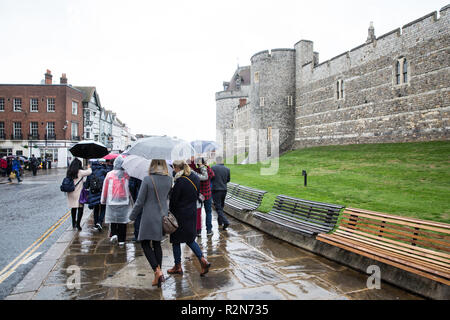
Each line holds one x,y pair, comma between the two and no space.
83,196
12,175
169,222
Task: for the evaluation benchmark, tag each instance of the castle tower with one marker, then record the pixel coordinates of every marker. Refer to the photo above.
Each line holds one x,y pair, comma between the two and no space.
272,94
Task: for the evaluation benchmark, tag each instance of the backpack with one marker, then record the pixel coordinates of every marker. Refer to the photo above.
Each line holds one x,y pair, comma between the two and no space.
95,185
67,185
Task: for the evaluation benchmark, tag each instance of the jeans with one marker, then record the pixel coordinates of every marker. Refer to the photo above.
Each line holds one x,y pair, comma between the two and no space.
208,210
219,202
17,174
176,247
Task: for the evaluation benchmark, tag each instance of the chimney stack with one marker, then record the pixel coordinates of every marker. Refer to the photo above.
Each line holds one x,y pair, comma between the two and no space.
48,77
63,79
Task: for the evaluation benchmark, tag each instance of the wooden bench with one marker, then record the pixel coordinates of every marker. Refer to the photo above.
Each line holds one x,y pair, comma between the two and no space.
304,216
418,246
245,198
231,189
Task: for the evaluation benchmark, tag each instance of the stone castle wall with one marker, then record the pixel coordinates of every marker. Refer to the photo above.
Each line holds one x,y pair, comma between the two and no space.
375,109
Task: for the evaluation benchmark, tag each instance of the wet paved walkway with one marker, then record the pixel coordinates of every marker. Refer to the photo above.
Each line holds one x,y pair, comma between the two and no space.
246,264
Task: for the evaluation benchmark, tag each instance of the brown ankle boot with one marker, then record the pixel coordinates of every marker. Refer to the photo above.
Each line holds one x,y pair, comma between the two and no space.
205,266
159,278
176,269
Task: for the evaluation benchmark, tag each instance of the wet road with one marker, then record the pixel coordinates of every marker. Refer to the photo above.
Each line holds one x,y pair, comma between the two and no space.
27,211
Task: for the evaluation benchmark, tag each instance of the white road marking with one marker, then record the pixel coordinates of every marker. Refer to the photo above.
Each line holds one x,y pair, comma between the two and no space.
29,259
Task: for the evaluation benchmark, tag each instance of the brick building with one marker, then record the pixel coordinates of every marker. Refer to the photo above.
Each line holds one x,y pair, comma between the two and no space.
41,119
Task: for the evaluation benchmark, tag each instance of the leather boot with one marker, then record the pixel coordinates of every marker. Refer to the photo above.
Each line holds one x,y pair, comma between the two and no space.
176,269
205,266
159,277
79,217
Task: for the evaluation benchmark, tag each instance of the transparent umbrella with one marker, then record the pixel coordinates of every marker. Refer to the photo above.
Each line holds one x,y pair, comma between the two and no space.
137,166
162,147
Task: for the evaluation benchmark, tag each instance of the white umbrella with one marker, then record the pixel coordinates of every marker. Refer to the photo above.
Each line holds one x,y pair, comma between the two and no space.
162,148
137,166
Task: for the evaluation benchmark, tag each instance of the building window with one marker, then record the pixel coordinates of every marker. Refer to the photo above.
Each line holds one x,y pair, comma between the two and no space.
261,101
269,134
51,105
401,71
17,104
74,108
17,130
74,130
2,104
290,101
34,105
340,89
2,130
256,77
51,130
34,129
405,71
88,133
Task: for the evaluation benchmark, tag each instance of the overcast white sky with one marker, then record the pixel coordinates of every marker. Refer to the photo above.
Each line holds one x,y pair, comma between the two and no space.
158,64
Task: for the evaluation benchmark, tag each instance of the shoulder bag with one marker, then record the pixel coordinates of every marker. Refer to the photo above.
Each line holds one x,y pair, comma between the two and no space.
169,222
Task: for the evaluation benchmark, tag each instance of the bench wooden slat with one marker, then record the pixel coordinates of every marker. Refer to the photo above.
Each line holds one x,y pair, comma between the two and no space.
391,233
244,198
390,256
321,227
293,226
328,239
415,245
417,248
309,217
404,251
439,227
415,231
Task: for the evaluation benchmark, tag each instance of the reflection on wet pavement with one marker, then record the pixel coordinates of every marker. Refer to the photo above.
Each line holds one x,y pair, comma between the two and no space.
246,264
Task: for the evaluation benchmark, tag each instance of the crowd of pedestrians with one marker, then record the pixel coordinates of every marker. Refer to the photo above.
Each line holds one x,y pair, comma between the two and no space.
182,188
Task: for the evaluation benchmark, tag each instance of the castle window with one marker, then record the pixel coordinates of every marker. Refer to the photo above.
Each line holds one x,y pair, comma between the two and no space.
290,101
405,71
256,77
269,134
261,101
340,89
397,72
401,71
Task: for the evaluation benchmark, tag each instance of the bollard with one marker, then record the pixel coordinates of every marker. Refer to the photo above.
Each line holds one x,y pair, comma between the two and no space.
305,175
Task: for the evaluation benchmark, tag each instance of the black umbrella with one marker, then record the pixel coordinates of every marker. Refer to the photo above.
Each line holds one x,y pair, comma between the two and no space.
89,149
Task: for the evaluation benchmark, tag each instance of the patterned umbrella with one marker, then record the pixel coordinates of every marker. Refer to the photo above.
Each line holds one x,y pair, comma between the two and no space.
162,148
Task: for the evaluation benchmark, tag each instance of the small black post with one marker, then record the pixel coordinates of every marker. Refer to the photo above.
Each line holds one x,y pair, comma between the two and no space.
305,175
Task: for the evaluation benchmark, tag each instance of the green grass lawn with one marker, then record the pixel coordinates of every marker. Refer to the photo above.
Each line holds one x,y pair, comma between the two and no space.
408,179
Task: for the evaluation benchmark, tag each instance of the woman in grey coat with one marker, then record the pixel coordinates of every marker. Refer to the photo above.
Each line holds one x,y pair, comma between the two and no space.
153,209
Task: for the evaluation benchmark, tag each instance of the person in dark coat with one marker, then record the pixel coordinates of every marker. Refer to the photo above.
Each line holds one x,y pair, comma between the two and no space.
183,205
219,190
33,164
95,191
